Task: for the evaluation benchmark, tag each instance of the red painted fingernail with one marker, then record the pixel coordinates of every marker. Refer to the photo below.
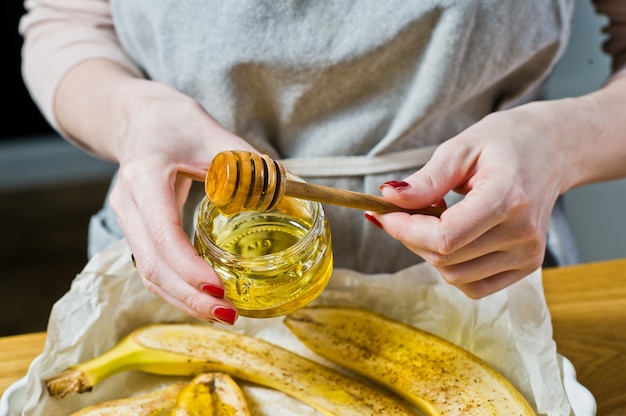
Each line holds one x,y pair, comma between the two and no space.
397,185
371,218
215,291
225,315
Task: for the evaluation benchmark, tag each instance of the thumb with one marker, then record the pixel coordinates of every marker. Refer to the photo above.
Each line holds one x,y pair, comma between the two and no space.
446,170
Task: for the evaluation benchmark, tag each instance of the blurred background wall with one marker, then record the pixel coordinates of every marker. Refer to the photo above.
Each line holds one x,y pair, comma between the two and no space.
595,211
48,189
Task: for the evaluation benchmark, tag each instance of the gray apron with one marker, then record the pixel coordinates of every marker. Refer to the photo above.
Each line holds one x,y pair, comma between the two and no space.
348,94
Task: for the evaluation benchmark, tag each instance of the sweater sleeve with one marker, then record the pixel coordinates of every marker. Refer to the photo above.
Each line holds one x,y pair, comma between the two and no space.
58,35
615,44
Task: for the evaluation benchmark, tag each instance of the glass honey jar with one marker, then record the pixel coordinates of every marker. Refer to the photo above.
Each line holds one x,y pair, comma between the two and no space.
271,262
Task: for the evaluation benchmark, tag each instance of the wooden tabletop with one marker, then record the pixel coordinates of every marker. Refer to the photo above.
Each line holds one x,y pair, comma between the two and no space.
16,354
588,307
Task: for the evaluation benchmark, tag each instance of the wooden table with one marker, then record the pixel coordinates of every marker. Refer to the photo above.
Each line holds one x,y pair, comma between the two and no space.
588,307
16,354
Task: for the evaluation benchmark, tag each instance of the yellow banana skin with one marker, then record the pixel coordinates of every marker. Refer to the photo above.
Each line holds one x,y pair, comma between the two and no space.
211,394
435,375
158,402
188,349
208,394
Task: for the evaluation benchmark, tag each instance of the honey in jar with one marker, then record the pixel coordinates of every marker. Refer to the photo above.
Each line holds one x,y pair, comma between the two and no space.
271,262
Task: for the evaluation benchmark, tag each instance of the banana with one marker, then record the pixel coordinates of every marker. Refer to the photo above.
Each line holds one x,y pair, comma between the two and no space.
158,402
188,349
211,394
208,394
435,375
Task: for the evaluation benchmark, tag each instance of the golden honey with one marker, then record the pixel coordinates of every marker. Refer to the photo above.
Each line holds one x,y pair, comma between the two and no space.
271,262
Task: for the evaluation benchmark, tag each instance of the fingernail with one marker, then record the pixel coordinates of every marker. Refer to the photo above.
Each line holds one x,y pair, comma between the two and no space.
371,218
397,185
215,291
225,315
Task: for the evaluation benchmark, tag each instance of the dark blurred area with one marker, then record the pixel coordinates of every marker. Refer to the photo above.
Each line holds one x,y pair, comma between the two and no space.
43,247
43,244
20,117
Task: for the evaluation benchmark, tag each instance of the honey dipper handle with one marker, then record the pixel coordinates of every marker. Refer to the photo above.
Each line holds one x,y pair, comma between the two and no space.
350,199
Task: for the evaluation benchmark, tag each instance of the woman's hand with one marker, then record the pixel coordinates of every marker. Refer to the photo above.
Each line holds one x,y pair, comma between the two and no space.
162,141
511,168
168,142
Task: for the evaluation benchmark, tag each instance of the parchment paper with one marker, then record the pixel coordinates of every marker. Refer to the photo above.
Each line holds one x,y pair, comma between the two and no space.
511,330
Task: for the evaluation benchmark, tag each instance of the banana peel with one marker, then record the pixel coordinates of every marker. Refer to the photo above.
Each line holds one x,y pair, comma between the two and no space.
435,375
191,349
158,402
208,394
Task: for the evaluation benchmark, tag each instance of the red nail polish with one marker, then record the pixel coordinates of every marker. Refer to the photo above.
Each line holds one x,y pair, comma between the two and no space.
371,218
215,291
397,185
225,315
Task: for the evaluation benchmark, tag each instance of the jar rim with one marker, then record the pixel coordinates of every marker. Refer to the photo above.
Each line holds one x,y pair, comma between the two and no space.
206,210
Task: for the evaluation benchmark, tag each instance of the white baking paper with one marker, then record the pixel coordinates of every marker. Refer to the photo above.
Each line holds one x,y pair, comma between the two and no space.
511,330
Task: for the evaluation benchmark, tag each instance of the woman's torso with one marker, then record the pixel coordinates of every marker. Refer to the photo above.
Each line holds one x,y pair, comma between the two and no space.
334,78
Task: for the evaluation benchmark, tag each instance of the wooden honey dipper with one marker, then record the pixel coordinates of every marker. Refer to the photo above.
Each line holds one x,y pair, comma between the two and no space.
238,181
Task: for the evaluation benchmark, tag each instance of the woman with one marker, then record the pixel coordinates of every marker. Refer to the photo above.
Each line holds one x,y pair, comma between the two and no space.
161,87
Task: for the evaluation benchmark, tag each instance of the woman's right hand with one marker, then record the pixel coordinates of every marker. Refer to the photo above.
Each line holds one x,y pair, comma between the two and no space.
162,140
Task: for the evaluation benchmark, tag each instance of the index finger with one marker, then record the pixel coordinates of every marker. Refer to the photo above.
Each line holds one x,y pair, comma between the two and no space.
457,227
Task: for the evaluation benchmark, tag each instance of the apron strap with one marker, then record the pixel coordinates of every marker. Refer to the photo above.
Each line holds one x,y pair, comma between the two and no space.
311,167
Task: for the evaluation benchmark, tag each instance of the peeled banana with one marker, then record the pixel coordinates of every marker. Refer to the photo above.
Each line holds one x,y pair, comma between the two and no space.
211,394
188,349
208,394
158,402
435,375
